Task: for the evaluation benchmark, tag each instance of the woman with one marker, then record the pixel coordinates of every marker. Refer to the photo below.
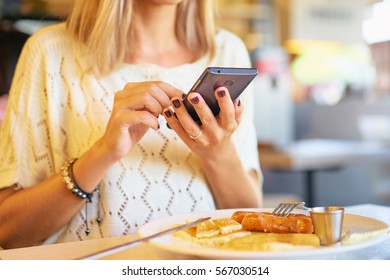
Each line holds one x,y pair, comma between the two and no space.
99,89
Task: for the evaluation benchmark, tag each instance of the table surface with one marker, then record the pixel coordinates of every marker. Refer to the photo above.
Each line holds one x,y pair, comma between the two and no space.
146,251
317,154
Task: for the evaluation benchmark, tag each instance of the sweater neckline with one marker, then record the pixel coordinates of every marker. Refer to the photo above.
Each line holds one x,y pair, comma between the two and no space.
151,66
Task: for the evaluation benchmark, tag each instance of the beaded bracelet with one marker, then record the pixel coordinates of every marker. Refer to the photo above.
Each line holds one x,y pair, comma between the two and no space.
71,184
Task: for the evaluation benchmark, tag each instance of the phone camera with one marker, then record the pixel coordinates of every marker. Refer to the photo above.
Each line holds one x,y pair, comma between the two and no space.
228,83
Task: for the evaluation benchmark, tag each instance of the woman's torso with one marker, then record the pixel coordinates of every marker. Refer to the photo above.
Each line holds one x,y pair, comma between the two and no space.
159,177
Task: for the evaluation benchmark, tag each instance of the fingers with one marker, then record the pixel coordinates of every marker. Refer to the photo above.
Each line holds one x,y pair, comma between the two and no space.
227,115
180,120
126,119
203,111
158,89
152,96
139,102
174,123
227,120
136,109
170,90
139,95
239,109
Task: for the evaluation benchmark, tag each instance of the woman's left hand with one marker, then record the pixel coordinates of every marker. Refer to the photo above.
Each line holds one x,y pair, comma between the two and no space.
214,135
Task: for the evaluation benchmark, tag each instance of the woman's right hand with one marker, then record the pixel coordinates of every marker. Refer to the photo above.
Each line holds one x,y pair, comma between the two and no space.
135,110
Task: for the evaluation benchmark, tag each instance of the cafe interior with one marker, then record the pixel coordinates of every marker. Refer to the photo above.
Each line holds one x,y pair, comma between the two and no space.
321,99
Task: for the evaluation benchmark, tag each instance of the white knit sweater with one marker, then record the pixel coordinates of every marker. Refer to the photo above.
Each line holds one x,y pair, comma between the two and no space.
57,111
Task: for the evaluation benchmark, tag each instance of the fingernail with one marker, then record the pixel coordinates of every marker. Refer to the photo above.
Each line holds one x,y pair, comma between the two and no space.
221,93
183,96
195,100
168,114
176,103
239,103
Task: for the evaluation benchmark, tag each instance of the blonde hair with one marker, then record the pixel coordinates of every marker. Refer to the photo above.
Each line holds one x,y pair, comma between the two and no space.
104,26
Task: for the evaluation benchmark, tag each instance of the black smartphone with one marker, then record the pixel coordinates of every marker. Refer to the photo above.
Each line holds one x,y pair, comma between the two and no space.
234,79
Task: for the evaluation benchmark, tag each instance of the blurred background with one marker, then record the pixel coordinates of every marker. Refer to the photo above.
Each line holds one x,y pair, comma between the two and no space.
324,76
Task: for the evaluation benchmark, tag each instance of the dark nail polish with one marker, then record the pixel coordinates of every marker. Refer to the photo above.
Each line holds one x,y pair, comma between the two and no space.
176,103
168,114
195,100
221,93
239,103
183,96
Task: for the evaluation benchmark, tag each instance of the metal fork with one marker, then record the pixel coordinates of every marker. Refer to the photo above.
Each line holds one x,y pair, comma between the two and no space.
285,208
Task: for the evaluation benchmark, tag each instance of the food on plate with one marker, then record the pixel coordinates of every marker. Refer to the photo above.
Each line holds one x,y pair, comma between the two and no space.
227,225
206,229
253,231
260,241
215,227
212,233
268,222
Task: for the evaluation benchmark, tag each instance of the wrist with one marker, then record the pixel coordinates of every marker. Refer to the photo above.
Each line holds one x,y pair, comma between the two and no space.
221,156
90,168
71,183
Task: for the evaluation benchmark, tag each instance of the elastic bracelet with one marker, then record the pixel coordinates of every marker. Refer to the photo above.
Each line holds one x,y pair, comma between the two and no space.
71,184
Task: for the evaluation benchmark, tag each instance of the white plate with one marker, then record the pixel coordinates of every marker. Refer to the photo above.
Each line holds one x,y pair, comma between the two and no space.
363,231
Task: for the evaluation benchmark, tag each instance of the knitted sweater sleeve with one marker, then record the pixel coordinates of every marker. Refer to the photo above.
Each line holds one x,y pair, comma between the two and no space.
25,155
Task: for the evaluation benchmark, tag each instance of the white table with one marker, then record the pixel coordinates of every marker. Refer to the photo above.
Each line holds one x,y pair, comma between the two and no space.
145,251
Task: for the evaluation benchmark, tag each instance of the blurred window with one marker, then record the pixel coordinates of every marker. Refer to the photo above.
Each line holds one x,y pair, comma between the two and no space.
376,27
332,70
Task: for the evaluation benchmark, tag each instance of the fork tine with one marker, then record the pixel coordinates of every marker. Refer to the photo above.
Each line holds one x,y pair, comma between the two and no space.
278,208
290,209
281,208
285,208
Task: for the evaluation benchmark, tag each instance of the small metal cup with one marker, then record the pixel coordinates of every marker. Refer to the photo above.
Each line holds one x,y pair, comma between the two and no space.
328,223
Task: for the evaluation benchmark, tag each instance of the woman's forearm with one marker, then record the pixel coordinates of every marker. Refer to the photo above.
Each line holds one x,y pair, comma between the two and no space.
30,215
231,184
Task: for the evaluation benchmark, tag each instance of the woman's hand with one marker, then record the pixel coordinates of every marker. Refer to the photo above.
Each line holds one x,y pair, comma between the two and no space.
214,135
213,144
135,110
